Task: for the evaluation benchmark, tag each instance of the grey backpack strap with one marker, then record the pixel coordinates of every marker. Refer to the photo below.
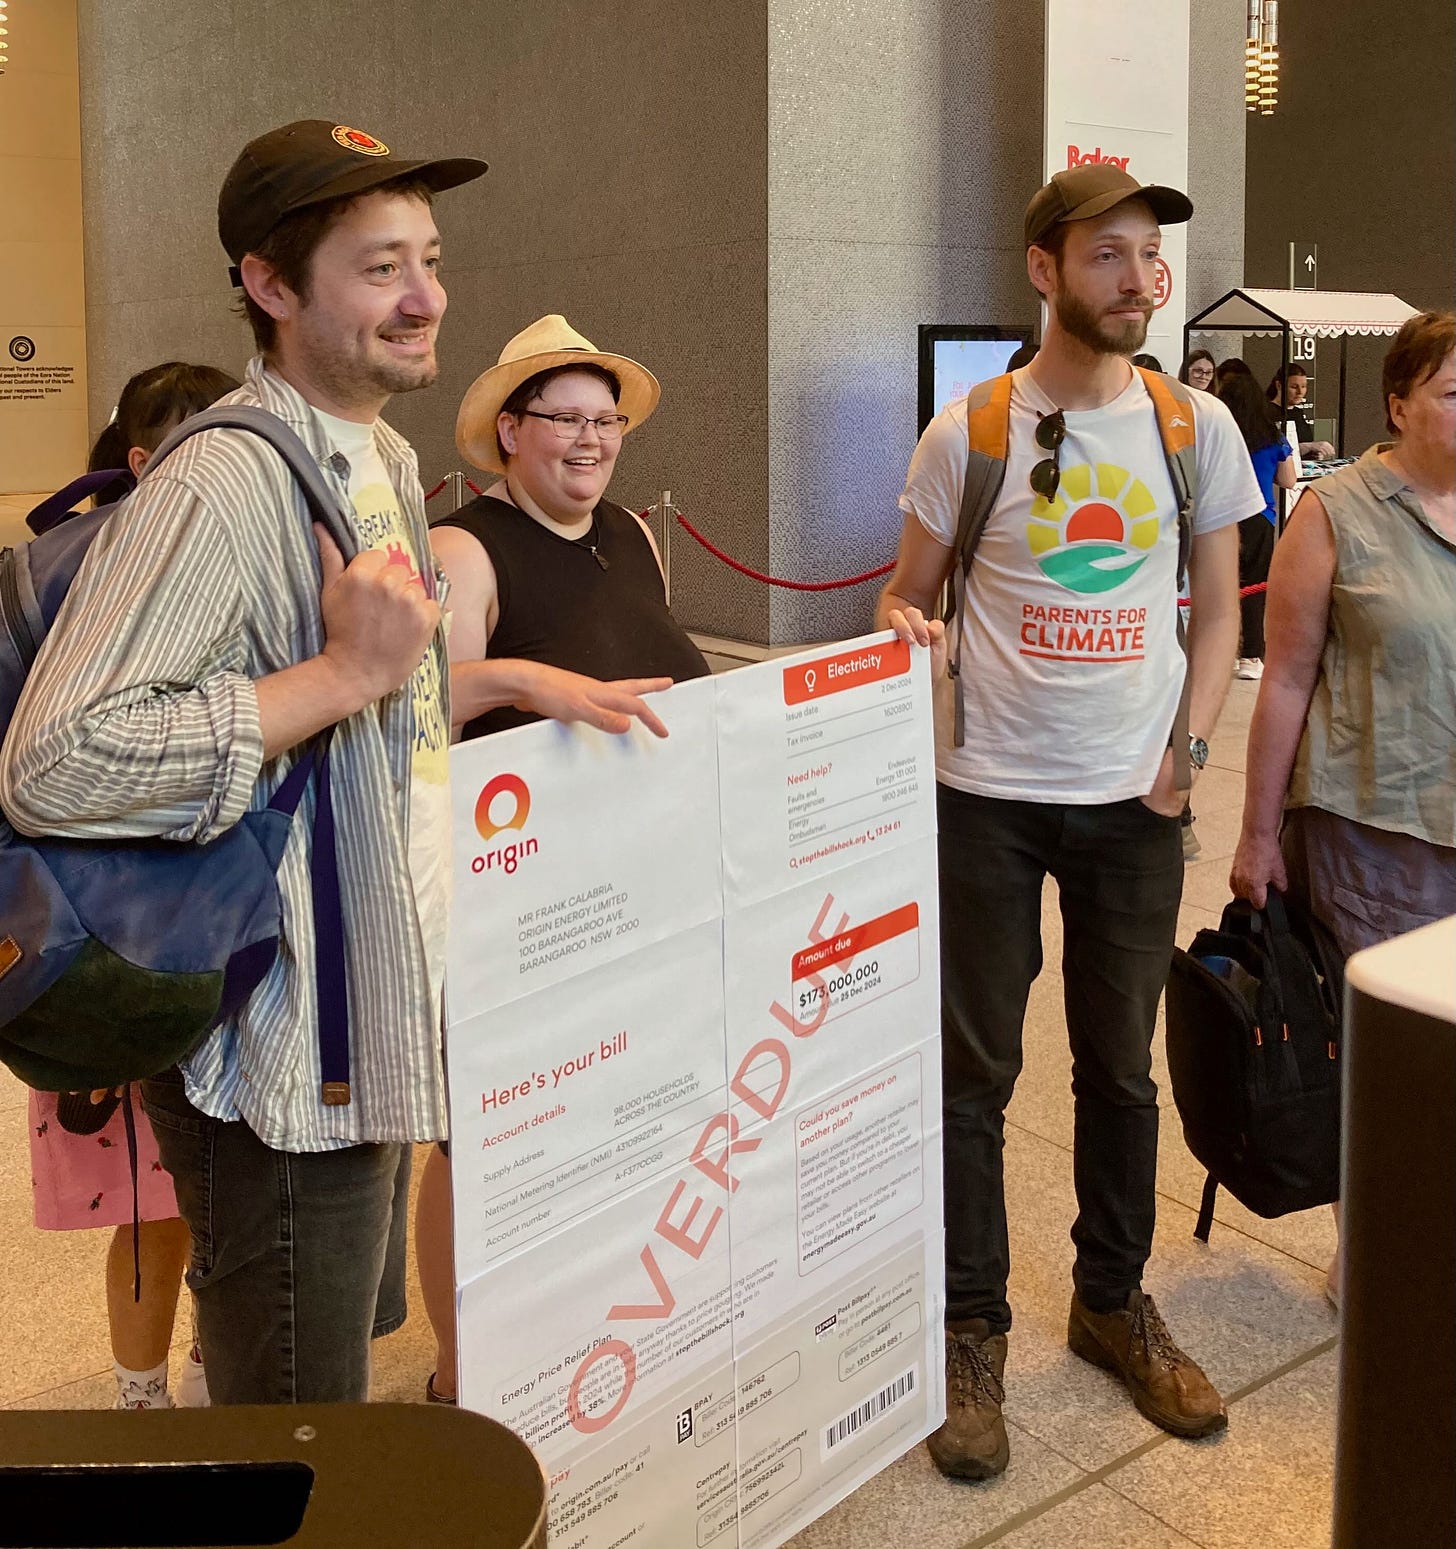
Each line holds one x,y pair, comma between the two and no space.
988,428
1173,403
324,503
325,506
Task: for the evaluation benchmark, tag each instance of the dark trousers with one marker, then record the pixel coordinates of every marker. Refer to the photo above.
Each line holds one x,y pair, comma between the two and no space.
1256,549
1119,872
297,1257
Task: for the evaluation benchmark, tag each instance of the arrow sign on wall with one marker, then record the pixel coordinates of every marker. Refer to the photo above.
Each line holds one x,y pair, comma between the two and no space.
1303,266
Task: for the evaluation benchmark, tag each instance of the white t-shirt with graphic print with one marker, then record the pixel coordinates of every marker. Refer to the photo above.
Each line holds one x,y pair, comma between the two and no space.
381,526
1070,658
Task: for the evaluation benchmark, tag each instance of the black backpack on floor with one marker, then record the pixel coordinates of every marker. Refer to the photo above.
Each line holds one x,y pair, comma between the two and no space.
1253,1018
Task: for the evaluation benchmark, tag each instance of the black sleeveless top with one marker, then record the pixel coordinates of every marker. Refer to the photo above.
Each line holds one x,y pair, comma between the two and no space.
603,614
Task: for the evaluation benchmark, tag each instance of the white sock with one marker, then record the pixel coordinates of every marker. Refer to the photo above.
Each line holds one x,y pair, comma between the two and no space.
142,1390
192,1381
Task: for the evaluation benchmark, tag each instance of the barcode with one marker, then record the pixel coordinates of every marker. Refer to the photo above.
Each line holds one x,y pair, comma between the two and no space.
869,1411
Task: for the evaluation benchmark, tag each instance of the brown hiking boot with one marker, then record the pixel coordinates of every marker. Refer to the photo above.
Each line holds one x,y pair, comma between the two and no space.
972,1443
1167,1386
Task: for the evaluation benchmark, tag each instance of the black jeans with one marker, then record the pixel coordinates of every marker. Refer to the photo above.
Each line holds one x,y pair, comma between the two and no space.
297,1257
1119,873
1256,550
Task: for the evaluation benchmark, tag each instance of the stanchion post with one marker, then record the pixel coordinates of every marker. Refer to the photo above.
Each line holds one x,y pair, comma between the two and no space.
455,489
665,544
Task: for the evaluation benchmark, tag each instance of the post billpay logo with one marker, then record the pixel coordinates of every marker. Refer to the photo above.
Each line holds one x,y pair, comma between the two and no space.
1162,284
505,803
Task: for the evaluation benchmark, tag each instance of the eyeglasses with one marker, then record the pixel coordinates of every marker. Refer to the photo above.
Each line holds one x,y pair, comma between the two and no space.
1046,476
570,426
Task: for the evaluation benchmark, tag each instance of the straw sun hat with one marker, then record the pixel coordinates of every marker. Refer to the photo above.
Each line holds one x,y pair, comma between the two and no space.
548,342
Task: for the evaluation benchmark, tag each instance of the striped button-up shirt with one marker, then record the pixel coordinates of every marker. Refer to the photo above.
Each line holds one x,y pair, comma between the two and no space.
140,718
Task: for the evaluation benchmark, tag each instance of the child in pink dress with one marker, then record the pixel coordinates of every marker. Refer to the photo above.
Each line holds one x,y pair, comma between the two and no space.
85,1181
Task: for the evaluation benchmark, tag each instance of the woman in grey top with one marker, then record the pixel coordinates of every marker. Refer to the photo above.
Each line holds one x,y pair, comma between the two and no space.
1353,741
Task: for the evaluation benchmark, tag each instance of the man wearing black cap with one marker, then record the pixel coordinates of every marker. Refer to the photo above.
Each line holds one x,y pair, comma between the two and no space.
211,634
1070,673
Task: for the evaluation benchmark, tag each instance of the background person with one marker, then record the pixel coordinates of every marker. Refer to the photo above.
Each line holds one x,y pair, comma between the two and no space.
1288,389
1273,465
1353,739
84,1180
553,588
152,404
1197,370
1235,365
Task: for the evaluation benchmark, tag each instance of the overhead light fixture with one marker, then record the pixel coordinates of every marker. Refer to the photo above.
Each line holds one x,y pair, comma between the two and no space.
1252,13
4,33
1261,56
1269,59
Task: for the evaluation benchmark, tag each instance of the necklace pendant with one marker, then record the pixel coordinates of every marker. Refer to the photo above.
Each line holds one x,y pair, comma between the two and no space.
600,558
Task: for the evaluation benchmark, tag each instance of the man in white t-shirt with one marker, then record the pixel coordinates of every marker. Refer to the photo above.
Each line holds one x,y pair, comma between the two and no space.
1071,672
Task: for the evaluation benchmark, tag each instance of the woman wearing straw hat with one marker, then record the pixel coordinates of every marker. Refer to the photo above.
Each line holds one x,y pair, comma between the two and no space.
557,597
558,608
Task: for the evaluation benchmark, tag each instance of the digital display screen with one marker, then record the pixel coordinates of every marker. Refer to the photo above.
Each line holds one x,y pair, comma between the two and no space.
953,357
960,363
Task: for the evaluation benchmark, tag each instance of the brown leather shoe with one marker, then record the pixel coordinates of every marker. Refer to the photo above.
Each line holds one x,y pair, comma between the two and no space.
972,1443
1168,1387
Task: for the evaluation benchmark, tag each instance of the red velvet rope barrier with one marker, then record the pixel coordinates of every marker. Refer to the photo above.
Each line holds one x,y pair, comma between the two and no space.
829,586
769,580
1244,591
470,484
795,586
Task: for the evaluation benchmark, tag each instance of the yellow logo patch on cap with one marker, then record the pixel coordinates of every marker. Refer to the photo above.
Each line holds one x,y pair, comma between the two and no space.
357,140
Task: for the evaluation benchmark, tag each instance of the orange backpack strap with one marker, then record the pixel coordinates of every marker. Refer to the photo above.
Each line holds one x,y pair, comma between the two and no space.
988,432
1173,404
1174,408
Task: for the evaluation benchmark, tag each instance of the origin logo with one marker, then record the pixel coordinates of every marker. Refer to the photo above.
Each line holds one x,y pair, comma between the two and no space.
504,804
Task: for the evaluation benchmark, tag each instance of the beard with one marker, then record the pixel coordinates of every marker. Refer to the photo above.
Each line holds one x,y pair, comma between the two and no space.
354,378
363,378
1101,334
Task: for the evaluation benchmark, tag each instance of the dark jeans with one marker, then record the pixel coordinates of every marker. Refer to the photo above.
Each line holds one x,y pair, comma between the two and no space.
1256,550
1119,873
297,1258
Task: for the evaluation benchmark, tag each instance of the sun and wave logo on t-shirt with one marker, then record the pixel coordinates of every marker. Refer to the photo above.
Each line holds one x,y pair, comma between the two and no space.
1097,533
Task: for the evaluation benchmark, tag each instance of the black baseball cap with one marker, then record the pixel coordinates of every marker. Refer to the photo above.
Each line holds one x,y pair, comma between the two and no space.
1079,193
305,163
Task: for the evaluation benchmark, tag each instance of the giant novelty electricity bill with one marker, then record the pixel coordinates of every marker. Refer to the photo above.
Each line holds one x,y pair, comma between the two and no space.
695,1099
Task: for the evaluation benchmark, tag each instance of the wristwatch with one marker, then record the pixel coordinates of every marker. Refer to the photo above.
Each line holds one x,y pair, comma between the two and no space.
1197,752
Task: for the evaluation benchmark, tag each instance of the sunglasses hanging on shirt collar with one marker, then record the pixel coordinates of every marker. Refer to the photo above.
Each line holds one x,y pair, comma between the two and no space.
1046,476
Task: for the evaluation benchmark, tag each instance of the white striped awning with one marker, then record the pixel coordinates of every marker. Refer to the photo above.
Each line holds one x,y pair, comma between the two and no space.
1324,313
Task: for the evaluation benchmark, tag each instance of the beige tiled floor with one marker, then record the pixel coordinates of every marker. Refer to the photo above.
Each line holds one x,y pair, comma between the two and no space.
1086,1470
